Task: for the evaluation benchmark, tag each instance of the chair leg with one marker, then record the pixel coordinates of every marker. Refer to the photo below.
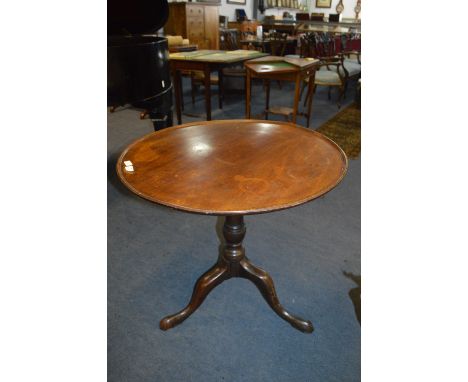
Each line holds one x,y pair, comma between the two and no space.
267,84
309,104
340,98
304,84
220,88
309,94
193,91
182,99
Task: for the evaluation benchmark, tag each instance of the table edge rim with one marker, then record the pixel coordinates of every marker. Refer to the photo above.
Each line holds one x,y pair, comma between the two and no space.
118,166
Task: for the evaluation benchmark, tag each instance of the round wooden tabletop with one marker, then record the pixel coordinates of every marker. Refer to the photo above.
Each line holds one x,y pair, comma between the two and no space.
232,167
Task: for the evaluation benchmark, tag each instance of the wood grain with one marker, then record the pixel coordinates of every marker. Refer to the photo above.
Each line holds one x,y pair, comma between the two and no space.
232,167
195,21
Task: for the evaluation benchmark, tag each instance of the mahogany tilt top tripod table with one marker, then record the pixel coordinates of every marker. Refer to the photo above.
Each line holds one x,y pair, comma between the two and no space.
232,168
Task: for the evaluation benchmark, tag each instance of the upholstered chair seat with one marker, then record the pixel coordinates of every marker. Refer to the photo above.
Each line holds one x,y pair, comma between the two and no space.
327,77
353,67
353,59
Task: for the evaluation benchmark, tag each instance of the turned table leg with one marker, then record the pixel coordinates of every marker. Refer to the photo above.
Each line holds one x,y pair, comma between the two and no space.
297,93
233,263
207,73
178,93
248,90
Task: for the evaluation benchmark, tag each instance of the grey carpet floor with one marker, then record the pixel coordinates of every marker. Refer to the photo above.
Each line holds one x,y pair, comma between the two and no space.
155,255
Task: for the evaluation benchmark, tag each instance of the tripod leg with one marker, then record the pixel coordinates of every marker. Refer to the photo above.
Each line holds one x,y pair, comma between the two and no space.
264,283
208,281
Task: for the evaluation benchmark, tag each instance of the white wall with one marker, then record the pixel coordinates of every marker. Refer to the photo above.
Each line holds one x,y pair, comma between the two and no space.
229,9
278,12
348,8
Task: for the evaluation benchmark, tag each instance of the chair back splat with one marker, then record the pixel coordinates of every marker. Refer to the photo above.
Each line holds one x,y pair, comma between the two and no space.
346,40
336,68
277,44
229,40
318,45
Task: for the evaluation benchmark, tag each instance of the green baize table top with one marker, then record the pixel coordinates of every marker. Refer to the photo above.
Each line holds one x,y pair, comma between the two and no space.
222,56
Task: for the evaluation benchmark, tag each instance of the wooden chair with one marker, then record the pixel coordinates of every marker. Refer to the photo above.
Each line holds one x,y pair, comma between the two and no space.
197,78
302,17
330,72
351,58
230,40
317,16
245,35
277,44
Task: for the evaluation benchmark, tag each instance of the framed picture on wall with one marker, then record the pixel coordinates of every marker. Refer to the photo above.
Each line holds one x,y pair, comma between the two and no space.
323,3
238,2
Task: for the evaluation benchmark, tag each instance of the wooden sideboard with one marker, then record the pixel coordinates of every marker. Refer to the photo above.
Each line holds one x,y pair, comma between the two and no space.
195,21
244,26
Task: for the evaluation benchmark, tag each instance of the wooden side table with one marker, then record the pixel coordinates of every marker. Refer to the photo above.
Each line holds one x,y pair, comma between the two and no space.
232,168
205,61
282,69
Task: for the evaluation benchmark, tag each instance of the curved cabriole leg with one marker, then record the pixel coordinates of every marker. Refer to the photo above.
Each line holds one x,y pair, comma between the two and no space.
233,263
210,279
264,283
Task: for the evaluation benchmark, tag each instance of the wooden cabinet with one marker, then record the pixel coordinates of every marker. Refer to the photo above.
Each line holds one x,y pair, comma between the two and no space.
244,26
197,22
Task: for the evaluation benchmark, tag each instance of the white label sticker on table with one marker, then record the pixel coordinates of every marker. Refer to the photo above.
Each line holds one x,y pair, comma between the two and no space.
128,163
129,168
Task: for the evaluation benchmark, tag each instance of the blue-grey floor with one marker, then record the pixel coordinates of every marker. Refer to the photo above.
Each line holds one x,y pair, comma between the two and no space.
155,255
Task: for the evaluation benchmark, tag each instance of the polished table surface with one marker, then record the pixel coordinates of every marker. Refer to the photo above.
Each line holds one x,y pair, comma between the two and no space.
232,168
